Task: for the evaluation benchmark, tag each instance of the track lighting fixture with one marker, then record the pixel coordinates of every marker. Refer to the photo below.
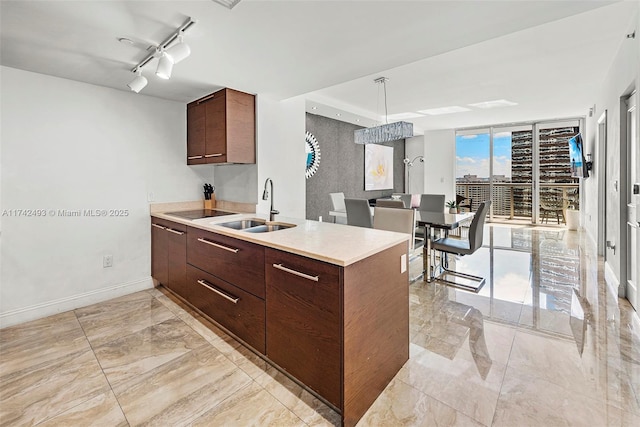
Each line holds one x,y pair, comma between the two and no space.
165,66
180,50
139,82
167,55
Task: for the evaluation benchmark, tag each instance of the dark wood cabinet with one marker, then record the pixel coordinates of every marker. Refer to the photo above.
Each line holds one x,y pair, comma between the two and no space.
196,141
169,254
342,331
225,281
238,311
159,251
232,260
304,320
221,128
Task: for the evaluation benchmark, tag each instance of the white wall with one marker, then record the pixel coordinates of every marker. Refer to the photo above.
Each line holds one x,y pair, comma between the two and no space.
70,145
622,78
281,154
440,163
236,183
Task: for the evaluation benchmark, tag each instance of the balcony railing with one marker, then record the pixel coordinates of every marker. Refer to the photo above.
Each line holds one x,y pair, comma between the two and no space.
515,201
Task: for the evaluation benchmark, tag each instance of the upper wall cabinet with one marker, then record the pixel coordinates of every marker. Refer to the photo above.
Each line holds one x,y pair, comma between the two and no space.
221,128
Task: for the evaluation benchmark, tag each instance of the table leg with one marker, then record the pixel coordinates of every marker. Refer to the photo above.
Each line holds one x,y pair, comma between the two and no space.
426,256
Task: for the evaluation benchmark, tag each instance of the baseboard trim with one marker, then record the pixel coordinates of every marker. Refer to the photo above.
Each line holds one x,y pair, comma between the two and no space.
612,281
38,311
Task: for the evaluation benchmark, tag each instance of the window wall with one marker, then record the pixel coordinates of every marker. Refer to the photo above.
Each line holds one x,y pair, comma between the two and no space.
523,169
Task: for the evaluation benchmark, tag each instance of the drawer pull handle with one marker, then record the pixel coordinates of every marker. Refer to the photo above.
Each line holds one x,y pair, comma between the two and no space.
171,230
212,155
158,226
235,251
297,273
219,292
194,157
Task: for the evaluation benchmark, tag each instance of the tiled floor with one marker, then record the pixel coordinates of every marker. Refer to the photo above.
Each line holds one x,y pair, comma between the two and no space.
544,343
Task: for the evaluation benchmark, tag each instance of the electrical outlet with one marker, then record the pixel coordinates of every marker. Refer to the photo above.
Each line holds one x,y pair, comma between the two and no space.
151,197
107,261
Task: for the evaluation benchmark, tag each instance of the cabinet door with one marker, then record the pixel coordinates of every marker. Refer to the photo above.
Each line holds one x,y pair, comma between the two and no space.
216,129
237,310
177,260
303,320
159,252
241,127
196,136
235,261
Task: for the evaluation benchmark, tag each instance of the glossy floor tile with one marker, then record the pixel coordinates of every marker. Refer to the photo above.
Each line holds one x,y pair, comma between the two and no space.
544,343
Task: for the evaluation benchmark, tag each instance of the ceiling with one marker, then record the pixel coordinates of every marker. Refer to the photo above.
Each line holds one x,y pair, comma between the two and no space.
547,56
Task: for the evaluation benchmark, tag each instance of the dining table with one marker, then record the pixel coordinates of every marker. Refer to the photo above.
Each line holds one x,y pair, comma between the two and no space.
432,221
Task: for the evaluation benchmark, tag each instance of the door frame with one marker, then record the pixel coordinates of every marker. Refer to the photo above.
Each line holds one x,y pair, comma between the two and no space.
625,178
601,161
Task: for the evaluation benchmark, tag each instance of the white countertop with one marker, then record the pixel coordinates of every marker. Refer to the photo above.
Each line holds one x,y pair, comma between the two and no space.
333,243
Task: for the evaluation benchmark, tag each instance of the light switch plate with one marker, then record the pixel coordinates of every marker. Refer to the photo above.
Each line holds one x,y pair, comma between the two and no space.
403,263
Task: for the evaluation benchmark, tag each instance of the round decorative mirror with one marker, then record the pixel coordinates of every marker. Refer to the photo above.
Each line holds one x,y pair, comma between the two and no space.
313,154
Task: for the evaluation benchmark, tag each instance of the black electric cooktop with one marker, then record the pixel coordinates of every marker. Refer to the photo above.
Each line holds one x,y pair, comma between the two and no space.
199,213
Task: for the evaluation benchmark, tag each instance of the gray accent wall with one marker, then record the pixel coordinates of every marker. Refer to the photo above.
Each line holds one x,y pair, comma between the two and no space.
342,166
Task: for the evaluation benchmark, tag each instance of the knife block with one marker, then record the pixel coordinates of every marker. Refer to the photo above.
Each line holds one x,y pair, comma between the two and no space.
210,204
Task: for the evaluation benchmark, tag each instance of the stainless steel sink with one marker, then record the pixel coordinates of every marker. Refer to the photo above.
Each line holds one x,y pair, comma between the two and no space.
256,225
243,224
268,227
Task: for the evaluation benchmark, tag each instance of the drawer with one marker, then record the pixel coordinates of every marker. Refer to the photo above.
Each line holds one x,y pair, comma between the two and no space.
232,260
169,224
237,310
304,320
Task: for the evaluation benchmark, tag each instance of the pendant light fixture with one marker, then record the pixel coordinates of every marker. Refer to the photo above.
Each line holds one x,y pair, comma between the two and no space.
138,83
387,132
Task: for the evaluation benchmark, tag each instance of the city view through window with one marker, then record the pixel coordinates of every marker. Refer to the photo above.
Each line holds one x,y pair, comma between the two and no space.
505,174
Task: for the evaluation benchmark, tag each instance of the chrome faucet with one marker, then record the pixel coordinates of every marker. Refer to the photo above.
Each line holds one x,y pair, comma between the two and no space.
265,195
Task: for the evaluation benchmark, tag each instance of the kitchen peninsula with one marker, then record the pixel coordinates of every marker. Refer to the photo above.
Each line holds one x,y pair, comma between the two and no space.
327,304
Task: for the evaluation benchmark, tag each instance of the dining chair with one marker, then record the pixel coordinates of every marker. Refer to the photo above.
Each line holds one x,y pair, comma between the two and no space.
386,203
460,247
337,200
358,213
398,220
406,199
432,203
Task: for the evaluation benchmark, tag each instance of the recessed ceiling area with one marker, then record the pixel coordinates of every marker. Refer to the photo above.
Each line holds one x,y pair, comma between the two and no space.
543,55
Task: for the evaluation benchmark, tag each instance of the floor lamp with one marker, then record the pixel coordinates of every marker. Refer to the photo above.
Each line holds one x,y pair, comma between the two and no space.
408,164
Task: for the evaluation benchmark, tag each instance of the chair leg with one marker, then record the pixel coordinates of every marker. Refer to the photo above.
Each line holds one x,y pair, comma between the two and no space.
444,266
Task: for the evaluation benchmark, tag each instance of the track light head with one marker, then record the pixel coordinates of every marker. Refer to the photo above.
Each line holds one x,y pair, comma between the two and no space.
180,50
139,82
165,66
